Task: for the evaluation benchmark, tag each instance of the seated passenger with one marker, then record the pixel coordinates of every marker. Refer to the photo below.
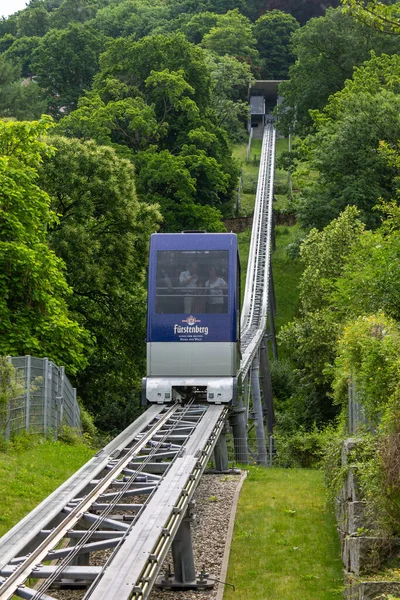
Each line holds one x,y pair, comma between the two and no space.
215,287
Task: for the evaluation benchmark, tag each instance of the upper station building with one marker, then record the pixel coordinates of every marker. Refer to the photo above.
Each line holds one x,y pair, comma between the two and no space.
263,95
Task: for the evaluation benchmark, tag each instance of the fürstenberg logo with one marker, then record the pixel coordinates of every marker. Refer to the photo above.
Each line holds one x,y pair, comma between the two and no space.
191,327
187,329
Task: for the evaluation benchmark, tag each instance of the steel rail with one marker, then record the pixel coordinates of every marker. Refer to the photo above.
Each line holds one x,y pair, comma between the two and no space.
30,527
255,305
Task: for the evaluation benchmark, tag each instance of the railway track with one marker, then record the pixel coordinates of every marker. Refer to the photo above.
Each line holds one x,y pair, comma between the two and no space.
131,499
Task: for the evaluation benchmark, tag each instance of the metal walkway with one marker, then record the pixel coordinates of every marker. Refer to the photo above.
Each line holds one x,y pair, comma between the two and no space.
111,524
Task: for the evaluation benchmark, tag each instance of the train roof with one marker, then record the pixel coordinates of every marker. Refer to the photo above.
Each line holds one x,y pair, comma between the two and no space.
193,241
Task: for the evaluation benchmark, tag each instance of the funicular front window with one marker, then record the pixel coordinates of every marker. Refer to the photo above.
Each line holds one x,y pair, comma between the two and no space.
192,281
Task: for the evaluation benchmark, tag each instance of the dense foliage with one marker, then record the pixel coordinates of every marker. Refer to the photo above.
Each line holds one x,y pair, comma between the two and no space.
102,236
344,150
326,49
34,318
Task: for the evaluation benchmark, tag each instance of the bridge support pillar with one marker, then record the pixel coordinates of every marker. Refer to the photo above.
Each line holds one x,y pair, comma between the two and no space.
184,576
221,453
268,399
258,413
239,429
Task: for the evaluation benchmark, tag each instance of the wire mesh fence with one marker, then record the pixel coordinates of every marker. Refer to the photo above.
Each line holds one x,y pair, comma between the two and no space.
44,402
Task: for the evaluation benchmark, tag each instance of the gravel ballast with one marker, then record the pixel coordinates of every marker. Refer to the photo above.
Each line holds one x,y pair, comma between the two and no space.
214,499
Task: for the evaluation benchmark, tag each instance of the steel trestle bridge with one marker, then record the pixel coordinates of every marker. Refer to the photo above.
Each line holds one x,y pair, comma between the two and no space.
109,527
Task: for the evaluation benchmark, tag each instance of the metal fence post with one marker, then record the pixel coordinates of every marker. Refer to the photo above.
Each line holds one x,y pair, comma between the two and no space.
45,393
62,374
28,392
76,418
7,430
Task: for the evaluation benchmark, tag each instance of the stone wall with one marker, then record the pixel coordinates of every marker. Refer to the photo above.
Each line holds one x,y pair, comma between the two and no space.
239,224
362,551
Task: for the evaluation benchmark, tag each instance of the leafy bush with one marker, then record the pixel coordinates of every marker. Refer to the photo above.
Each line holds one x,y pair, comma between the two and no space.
302,448
282,379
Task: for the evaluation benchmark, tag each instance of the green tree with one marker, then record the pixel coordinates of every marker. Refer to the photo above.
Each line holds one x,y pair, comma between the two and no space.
19,100
344,149
171,182
9,25
192,7
233,34
21,51
327,49
273,33
65,63
102,236
34,292
33,22
127,124
152,101
370,282
132,62
72,11
198,25
382,16
230,84
6,41
312,336
302,10
132,17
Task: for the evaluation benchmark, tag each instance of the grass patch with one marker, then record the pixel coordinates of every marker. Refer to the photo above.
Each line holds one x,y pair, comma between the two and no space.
30,471
287,273
249,174
285,545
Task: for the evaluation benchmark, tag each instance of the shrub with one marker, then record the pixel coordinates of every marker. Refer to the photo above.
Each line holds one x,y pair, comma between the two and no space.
302,448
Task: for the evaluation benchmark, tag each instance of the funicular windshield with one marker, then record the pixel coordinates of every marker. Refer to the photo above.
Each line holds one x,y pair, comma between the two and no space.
192,281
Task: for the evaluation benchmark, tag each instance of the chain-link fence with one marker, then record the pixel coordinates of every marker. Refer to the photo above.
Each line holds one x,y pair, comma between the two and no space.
45,400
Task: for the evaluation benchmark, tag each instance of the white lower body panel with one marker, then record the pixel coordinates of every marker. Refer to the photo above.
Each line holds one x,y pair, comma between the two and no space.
214,390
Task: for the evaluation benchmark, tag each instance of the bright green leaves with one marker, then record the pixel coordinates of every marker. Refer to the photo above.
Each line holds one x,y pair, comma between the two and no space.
123,122
344,148
311,337
152,102
171,93
327,50
102,236
232,34
33,290
324,254
375,14
368,355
